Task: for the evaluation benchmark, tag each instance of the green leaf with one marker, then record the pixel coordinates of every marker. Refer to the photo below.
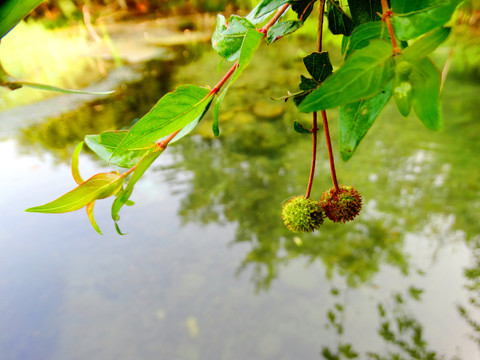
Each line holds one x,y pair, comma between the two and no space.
300,128
228,37
318,65
425,80
362,76
12,11
365,11
172,112
89,209
362,35
414,18
303,8
119,232
250,44
338,21
307,84
283,28
75,173
355,119
426,44
265,7
187,129
19,84
99,186
123,195
105,144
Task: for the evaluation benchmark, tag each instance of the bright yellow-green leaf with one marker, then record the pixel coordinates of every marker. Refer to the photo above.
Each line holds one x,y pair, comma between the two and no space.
99,186
89,209
75,172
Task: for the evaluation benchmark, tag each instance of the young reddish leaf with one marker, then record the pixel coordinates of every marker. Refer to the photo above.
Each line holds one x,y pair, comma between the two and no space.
363,75
89,209
76,174
99,186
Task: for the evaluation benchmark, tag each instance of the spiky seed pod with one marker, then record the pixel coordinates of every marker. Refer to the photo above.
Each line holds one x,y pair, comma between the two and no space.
302,215
341,206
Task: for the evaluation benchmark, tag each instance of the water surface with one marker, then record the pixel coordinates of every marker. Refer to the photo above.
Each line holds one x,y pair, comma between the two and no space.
207,270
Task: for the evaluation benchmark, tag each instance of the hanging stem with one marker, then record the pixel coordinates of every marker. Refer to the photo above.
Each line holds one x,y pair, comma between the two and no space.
387,19
314,115
330,151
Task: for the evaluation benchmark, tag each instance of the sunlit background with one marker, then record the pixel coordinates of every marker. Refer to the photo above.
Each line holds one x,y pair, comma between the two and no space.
207,269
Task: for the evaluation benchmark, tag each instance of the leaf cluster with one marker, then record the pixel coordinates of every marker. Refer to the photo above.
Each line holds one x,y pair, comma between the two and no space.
374,70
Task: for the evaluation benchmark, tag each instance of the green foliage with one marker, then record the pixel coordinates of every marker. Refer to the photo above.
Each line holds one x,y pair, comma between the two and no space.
228,36
365,74
12,11
415,18
338,21
378,64
105,144
282,29
99,186
250,44
356,118
171,113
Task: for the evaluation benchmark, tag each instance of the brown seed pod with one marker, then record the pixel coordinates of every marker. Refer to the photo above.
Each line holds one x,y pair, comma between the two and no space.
341,206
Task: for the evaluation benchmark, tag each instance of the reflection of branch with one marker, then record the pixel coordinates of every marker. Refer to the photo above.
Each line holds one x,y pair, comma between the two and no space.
88,24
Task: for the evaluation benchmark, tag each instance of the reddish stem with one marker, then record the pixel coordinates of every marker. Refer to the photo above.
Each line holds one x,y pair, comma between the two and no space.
229,73
314,115
161,145
263,30
314,155
330,151
274,19
387,19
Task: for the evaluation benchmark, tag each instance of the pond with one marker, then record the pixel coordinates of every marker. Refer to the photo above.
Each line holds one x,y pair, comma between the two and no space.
207,269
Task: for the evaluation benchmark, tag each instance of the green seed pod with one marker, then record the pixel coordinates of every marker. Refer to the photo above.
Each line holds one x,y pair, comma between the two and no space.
341,206
402,93
302,215
403,70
